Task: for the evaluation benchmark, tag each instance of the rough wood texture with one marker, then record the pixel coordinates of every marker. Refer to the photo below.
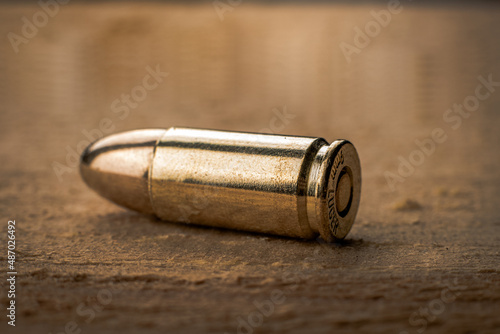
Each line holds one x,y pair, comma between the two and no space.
422,258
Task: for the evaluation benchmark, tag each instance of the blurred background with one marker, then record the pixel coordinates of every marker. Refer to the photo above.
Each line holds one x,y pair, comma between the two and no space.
231,64
382,74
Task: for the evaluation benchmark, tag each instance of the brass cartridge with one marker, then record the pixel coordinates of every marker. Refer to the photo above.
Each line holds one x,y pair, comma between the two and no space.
283,185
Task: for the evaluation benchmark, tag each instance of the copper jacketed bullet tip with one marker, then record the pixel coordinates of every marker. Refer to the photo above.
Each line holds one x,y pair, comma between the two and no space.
284,185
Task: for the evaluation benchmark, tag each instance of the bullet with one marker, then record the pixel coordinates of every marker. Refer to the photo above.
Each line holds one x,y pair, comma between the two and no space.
292,186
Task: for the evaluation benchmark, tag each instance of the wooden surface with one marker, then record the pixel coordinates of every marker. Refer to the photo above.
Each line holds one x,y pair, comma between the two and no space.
421,258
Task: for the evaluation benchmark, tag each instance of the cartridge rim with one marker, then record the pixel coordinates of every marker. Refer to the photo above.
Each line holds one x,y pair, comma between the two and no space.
339,190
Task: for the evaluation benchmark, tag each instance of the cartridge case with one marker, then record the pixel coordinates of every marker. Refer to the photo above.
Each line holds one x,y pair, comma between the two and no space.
283,185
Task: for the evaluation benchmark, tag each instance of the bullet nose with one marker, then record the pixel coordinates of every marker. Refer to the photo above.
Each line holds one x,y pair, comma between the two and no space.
117,167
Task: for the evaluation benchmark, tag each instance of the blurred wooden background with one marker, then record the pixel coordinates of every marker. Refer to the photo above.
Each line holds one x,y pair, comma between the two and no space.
441,225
